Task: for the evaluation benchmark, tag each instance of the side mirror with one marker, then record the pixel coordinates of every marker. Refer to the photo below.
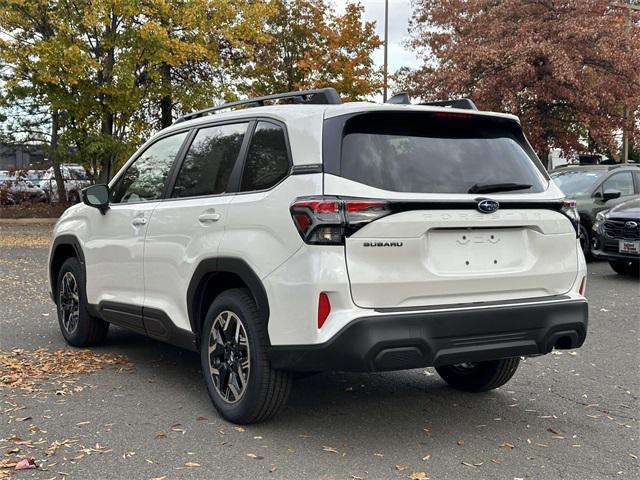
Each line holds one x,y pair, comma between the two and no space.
96,196
611,194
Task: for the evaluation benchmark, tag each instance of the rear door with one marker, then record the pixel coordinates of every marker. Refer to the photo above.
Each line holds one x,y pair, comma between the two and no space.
188,225
442,244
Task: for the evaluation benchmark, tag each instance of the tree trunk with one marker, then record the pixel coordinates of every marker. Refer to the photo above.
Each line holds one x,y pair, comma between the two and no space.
166,102
105,77
55,163
106,163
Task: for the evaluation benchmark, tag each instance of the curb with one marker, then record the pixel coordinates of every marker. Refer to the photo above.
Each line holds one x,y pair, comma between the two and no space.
28,221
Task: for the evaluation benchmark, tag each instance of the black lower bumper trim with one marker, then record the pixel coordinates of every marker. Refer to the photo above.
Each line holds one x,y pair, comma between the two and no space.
415,340
611,256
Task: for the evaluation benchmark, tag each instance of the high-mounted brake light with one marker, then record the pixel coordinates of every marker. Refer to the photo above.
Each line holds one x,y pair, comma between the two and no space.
570,210
453,115
327,220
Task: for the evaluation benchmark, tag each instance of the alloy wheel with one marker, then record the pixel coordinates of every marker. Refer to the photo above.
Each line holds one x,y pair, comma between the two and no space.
229,356
69,302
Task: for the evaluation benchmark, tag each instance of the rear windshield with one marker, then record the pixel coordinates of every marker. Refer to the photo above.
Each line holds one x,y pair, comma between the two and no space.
437,153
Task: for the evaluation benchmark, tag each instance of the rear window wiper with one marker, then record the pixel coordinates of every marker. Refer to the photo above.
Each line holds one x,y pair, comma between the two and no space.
497,187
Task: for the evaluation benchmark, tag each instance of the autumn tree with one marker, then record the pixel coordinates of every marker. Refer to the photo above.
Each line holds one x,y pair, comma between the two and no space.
109,69
313,46
566,67
192,49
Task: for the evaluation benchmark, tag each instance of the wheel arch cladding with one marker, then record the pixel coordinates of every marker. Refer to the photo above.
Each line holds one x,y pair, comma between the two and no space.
213,276
64,247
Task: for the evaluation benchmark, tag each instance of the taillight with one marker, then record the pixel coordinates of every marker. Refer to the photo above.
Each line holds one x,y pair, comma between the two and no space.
570,210
327,220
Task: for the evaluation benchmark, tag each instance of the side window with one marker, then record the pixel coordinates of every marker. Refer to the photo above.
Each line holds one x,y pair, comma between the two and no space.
209,161
622,182
145,178
267,159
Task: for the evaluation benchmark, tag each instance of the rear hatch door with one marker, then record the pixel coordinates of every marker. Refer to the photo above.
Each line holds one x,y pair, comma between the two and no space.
439,246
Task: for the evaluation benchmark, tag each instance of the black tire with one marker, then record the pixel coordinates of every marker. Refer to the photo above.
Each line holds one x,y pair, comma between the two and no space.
585,240
266,391
479,376
84,330
622,267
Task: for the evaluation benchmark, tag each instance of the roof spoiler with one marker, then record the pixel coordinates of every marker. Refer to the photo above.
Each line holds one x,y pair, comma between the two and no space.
402,98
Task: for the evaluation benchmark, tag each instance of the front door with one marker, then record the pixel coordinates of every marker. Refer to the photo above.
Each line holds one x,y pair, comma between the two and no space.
114,251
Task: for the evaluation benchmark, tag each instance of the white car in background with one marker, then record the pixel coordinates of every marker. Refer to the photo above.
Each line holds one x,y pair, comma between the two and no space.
18,188
75,179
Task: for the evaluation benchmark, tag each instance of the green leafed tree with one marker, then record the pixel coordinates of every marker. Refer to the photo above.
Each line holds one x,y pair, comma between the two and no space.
312,46
117,69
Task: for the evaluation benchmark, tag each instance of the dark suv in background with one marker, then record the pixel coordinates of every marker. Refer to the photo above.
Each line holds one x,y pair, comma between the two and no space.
616,237
596,188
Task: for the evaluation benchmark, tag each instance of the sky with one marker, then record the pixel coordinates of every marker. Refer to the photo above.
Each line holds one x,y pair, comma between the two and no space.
399,14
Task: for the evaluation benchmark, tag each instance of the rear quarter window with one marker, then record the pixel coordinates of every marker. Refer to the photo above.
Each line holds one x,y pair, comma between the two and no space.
436,152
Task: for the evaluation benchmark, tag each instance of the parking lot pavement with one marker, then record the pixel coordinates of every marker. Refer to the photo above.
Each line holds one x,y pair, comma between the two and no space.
569,415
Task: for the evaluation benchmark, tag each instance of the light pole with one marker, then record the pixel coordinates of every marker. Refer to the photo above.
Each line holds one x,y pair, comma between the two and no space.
386,37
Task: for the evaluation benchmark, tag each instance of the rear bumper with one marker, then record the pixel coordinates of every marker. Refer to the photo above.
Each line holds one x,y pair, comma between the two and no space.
431,338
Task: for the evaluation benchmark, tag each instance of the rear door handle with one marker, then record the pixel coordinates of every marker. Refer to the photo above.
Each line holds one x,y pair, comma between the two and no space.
138,221
209,217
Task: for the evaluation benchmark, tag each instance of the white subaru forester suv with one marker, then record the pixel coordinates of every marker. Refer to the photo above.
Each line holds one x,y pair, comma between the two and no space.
312,235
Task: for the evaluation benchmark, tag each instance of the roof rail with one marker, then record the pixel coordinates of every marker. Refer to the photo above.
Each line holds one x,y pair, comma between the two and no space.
319,96
464,103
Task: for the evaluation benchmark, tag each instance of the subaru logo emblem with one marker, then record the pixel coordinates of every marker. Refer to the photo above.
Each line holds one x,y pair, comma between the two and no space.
631,225
488,206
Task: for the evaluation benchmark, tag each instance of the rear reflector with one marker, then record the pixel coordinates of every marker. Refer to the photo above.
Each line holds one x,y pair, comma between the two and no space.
324,308
583,286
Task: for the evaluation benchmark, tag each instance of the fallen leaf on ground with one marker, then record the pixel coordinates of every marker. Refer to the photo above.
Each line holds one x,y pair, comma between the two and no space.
400,468
254,456
460,442
329,449
507,445
419,476
26,370
26,463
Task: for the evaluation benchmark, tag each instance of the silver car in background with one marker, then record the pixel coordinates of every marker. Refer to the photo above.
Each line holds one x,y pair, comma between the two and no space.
75,179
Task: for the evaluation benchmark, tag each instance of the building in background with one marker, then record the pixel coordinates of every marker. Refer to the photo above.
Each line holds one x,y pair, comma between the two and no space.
23,156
